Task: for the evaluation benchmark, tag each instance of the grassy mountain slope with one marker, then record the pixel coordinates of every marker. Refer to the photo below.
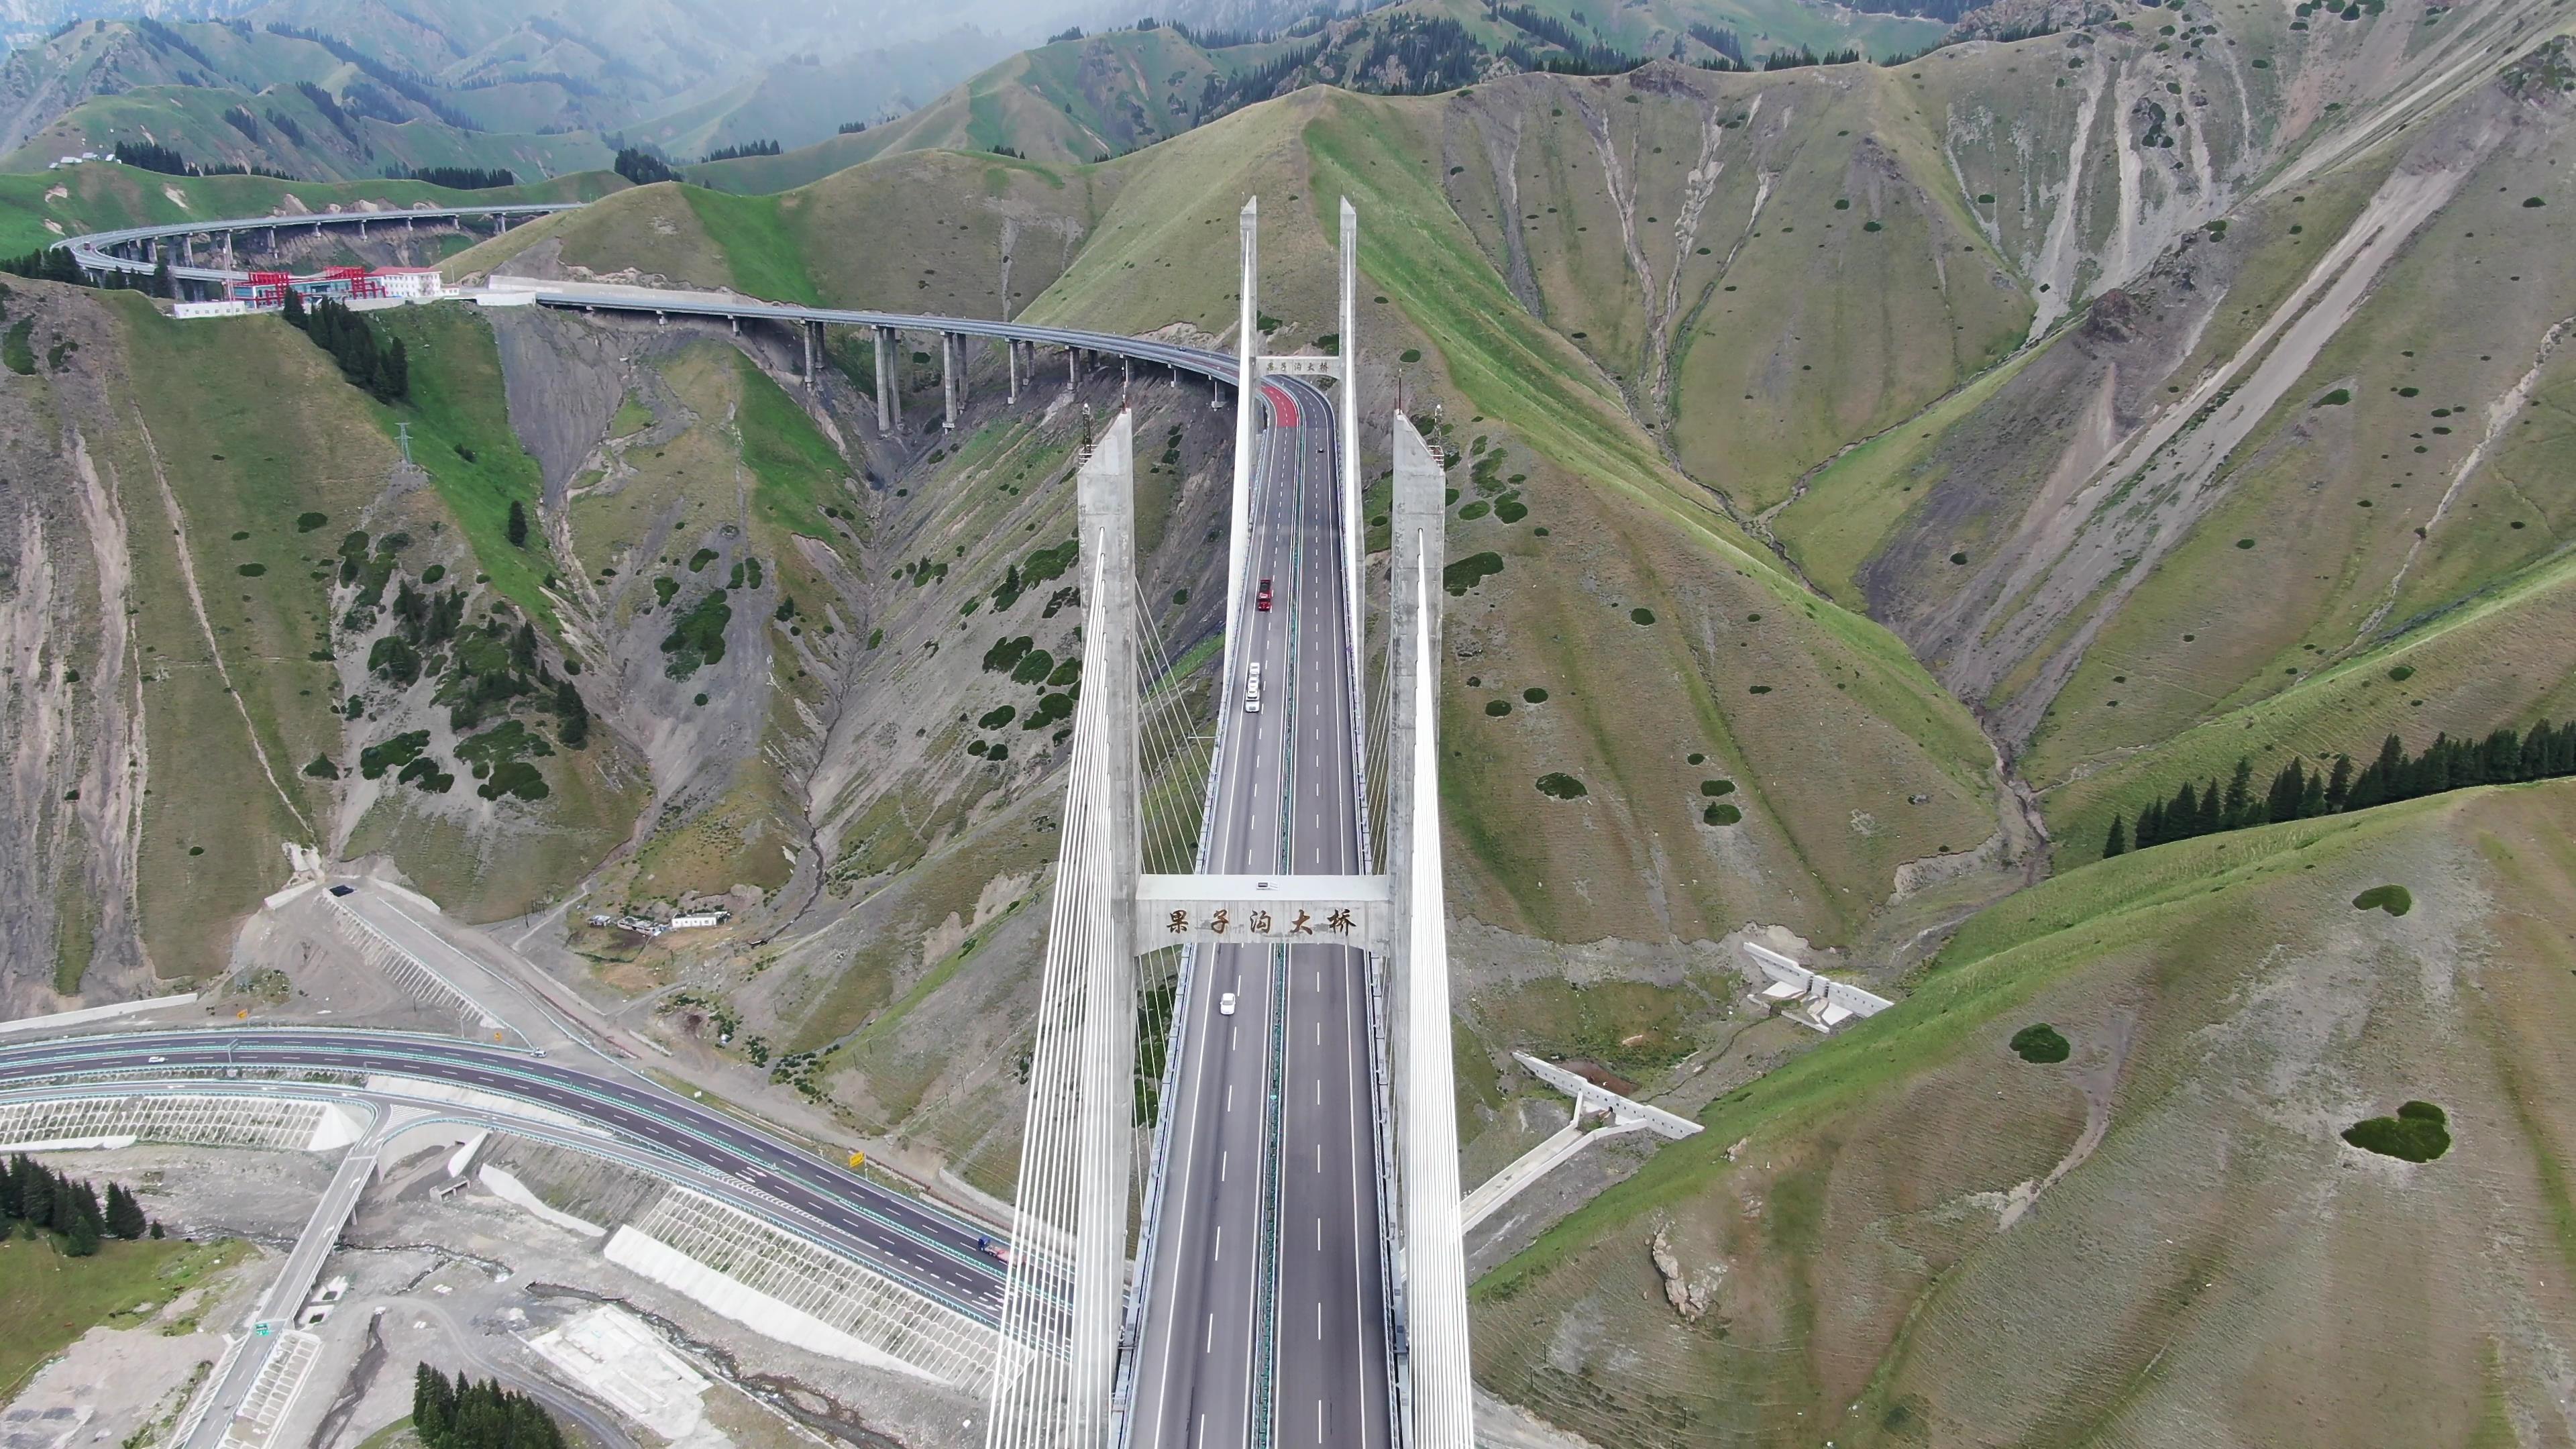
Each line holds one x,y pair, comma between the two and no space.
1915,1236
220,94
1107,94
1074,100
286,132
934,232
191,652
2289,453
38,210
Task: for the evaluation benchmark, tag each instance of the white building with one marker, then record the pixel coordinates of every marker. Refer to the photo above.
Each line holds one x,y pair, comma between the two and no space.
412,284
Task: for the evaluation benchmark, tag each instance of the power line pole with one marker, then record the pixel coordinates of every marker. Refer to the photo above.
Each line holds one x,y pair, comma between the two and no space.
402,434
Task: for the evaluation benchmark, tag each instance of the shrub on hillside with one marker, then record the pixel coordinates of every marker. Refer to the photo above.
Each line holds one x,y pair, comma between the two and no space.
1560,786
2418,1133
1470,571
2394,899
2039,1042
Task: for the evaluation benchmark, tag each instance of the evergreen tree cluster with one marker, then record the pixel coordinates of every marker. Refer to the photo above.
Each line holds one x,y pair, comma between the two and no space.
459,1413
48,264
1225,94
366,359
1582,54
459,178
150,156
1423,56
1724,41
42,1198
747,148
2505,757
1801,58
643,167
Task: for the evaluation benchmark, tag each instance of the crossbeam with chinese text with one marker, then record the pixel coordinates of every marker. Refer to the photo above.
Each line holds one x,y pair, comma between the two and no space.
1263,910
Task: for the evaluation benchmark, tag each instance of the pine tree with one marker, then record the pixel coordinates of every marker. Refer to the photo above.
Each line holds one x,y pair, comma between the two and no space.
518,525
396,372
572,716
2182,817
2151,825
291,307
80,1240
124,1214
162,285
2239,807
36,1195
2118,841
2339,785
2213,812
2281,802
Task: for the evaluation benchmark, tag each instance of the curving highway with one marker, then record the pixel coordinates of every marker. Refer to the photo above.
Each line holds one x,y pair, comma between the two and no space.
914,1243
130,250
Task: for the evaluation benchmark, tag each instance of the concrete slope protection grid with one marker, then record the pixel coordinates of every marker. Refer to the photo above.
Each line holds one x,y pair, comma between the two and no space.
914,1243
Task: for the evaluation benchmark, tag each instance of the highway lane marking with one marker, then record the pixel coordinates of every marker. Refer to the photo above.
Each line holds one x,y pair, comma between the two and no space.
1210,1346
1220,1244
1222,1159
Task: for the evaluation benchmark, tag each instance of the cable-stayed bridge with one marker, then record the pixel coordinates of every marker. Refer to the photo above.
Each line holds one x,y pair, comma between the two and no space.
1238,1205
1297,1275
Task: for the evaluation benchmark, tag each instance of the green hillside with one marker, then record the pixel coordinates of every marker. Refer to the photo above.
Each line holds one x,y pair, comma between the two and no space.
1919,1237
1099,96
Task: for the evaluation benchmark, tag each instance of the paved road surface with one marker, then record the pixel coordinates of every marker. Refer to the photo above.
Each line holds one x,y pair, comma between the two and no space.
1285,805
911,1242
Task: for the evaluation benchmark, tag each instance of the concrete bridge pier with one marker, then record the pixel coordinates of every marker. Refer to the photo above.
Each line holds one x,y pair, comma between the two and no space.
813,334
362,230
889,384
1072,368
1011,365
952,390
1126,375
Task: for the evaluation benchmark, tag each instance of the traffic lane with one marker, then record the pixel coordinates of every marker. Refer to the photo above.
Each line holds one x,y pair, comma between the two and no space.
1329,1146
775,1169
1205,1366
1195,1382
1332,1297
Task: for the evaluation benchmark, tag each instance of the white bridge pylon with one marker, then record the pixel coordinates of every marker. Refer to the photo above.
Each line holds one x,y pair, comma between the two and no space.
1066,1303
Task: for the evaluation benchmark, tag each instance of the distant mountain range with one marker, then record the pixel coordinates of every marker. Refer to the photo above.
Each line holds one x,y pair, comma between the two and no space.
470,83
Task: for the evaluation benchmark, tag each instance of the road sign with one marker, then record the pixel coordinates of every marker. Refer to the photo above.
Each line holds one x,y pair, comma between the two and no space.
858,1159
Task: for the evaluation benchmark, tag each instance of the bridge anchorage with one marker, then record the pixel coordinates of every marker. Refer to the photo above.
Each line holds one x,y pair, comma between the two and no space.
1242,1059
